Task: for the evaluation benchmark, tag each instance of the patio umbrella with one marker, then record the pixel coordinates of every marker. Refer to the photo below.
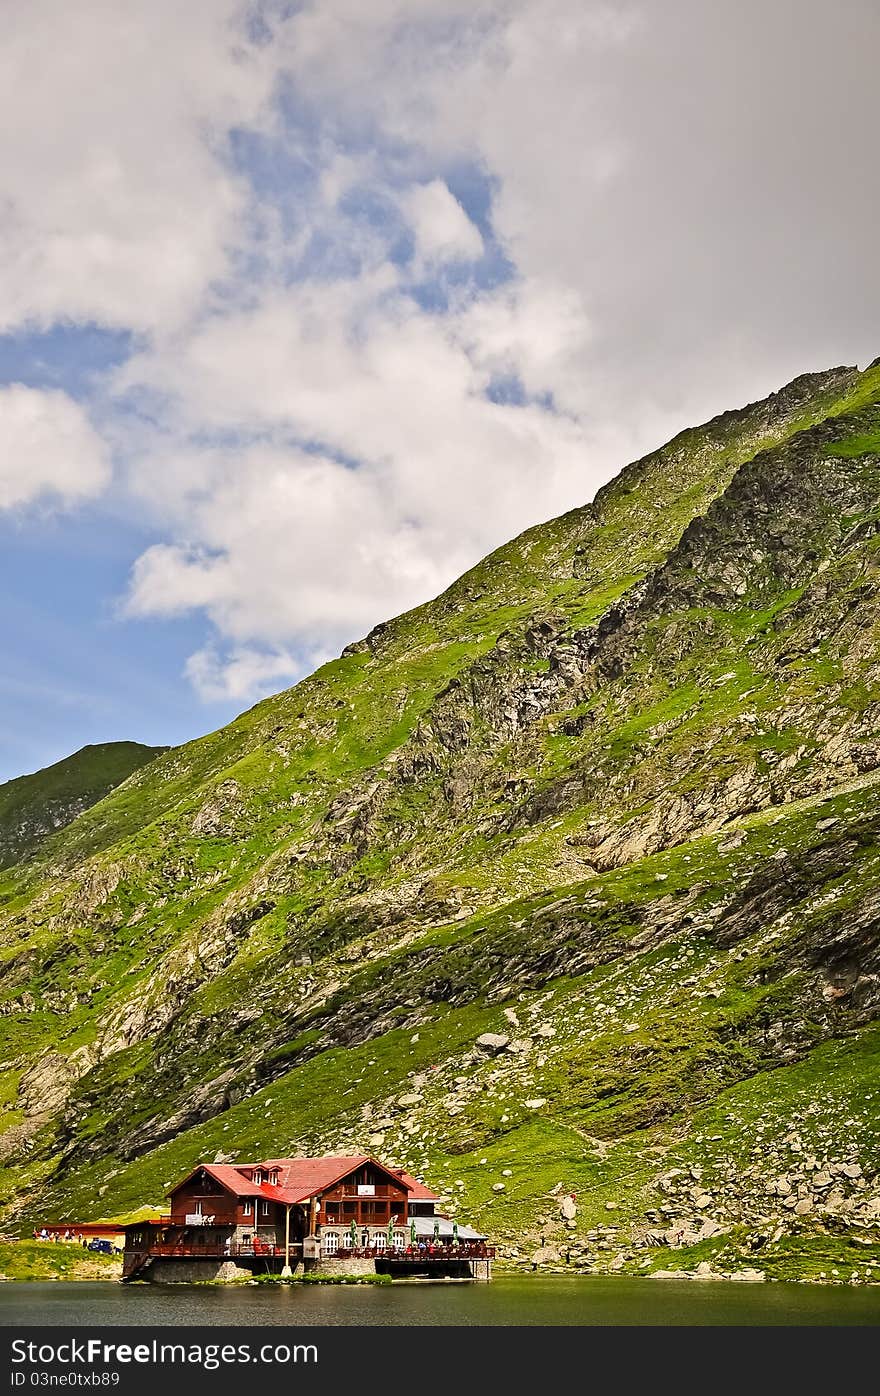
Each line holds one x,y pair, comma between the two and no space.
390,1234
436,1230
412,1233
455,1233
353,1235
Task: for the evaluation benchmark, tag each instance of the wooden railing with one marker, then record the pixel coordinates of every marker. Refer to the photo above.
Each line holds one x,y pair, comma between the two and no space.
466,1250
351,1194
197,1247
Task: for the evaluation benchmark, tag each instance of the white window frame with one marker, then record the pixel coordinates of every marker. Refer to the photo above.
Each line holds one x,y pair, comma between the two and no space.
330,1242
258,1177
379,1241
246,1207
264,1210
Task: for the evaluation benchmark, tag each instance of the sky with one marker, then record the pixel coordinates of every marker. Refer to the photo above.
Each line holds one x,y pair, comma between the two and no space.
305,307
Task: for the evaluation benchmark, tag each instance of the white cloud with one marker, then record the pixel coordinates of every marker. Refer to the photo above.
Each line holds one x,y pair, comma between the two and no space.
47,448
442,229
308,419
241,673
117,204
282,546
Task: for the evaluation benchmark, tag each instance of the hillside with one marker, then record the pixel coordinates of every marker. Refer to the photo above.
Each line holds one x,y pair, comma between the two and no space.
612,799
35,806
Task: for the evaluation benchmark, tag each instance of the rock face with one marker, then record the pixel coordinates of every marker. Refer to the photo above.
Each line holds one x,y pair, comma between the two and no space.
555,868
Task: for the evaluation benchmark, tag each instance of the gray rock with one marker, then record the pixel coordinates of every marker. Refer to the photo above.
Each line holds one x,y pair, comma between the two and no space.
546,1255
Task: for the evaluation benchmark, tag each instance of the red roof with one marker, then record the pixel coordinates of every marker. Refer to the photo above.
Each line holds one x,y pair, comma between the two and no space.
299,1178
417,1191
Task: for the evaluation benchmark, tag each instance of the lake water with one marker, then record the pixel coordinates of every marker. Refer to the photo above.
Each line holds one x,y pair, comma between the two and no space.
526,1300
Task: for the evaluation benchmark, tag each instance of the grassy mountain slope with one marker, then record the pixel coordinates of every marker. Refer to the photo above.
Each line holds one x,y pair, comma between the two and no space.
35,806
611,797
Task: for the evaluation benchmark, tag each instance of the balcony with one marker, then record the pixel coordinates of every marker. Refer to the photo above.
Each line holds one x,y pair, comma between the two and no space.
465,1250
218,1249
378,1191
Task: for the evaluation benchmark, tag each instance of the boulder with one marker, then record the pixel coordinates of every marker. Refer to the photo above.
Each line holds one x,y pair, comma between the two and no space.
546,1255
492,1042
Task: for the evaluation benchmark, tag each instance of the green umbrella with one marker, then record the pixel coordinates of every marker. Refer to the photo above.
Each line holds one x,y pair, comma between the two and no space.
390,1234
412,1233
455,1233
436,1230
354,1235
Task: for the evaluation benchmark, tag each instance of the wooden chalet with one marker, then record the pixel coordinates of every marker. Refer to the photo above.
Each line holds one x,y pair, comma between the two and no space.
282,1213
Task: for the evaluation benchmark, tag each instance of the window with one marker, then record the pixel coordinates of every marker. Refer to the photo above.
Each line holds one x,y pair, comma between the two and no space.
273,1177
399,1240
247,1207
379,1240
265,1209
330,1242
258,1176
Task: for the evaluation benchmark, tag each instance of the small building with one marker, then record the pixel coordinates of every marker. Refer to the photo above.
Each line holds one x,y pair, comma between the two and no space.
81,1233
338,1213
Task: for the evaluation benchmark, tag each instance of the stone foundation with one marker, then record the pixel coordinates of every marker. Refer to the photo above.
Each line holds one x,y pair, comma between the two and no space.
343,1265
164,1272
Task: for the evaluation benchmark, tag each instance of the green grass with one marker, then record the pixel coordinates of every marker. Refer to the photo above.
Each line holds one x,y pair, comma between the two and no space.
45,1260
51,797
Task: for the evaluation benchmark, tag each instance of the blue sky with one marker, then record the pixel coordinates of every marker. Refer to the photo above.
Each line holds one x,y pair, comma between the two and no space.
75,671
304,308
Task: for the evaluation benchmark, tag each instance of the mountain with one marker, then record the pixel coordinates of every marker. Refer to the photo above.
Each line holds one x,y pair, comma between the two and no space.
565,883
33,807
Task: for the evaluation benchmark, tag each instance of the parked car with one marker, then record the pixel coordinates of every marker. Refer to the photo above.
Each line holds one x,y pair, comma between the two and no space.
98,1243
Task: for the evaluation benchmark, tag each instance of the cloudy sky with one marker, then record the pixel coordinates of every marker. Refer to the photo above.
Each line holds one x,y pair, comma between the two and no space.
304,307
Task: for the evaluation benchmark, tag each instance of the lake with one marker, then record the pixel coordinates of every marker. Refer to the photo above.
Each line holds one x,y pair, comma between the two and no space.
508,1300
